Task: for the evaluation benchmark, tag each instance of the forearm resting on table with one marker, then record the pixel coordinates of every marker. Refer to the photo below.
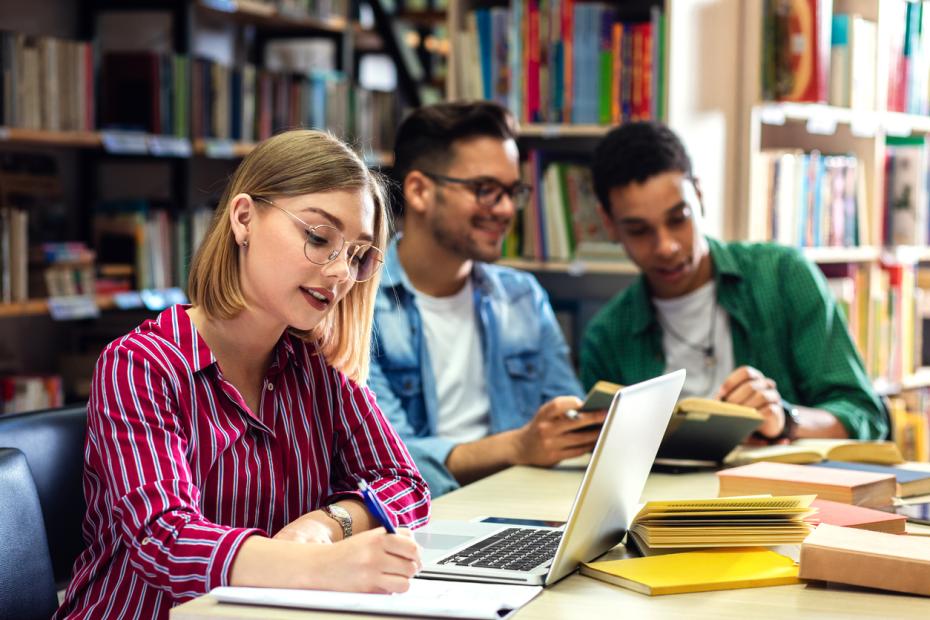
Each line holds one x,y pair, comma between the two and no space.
472,461
267,563
819,423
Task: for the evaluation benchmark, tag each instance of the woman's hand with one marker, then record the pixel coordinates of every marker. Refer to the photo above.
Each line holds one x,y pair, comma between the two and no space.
372,561
313,527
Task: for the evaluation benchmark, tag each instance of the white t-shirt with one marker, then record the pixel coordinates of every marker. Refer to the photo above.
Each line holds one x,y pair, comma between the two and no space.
454,344
698,319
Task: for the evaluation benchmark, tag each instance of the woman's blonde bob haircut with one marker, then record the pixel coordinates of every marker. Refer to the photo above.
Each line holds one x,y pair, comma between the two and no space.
294,163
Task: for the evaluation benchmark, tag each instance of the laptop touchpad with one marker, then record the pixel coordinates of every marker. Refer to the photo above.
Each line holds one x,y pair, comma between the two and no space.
432,540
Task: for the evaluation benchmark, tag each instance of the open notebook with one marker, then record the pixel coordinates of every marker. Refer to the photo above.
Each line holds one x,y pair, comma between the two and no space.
425,598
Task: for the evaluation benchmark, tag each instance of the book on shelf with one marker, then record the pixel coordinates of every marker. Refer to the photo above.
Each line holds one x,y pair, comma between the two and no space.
796,50
14,255
881,303
697,571
29,392
766,521
849,487
147,241
910,482
564,62
853,54
700,429
910,426
908,40
562,220
847,515
146,92
804,451
810,199
868,559
47,83
905,208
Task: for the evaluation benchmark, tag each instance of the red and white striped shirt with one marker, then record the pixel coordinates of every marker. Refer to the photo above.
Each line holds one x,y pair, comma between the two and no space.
179,472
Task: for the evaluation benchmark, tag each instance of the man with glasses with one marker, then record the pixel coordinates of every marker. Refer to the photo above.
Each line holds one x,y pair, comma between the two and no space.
469,363
752,323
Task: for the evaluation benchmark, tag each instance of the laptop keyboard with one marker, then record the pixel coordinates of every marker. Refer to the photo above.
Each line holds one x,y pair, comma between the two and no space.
515,548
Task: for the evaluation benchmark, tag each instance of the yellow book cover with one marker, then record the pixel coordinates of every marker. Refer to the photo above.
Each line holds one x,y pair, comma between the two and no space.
697,571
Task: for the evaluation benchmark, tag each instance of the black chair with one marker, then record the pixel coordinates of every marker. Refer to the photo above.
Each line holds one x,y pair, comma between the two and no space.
53,442
27,586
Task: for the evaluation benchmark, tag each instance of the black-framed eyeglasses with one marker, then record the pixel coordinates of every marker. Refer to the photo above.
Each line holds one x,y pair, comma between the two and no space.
324,245
488,192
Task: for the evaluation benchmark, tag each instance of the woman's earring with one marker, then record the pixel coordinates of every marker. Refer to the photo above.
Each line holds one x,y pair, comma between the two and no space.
245,243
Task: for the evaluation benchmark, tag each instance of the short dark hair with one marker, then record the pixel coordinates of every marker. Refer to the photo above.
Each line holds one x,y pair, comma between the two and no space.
633,153
428,135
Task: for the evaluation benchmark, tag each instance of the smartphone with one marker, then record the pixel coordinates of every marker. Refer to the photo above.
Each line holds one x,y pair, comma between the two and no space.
915,513
599,398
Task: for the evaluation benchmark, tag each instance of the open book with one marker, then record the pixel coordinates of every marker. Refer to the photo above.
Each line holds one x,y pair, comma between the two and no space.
757,521
805,451
701,429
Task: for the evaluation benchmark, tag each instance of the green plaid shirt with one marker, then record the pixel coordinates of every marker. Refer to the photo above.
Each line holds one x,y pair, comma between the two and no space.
783,321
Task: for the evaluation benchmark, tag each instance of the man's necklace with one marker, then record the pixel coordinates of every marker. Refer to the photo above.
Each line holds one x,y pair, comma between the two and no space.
707,350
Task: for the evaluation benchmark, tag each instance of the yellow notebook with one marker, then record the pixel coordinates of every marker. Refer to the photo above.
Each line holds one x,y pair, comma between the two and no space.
697,571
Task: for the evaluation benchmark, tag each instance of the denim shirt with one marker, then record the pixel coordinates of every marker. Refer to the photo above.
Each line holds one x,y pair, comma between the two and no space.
525,359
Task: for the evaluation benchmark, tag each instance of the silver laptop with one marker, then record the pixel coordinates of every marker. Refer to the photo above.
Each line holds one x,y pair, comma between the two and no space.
603,509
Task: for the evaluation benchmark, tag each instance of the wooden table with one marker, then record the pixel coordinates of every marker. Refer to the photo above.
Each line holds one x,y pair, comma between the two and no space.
548,494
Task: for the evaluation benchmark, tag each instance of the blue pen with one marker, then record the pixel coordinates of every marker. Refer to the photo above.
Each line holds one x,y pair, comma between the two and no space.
375,507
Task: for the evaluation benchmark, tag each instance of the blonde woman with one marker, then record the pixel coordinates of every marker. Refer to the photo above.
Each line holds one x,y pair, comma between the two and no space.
226,439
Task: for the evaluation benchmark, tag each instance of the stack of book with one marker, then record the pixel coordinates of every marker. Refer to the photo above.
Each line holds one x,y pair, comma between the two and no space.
849,487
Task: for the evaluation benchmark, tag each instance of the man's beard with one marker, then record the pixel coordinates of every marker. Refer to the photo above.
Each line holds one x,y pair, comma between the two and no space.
453,236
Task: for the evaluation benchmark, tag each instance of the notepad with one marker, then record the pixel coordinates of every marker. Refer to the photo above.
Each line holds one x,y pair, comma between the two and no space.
662,527
697,571
426,597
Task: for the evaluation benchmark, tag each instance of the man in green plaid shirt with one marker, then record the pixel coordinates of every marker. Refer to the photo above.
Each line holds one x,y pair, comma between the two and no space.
752,323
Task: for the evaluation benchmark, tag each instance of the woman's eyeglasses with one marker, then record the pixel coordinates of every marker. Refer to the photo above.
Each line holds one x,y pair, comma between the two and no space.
324,245
488,192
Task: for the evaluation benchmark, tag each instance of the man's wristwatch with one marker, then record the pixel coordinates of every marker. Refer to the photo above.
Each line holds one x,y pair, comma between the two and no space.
342,517
792,421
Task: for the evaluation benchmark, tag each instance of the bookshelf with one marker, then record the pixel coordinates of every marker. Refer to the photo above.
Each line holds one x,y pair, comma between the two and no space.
712,96
97,165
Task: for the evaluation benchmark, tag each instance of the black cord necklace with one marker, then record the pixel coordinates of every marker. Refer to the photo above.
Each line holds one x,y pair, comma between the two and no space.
708,350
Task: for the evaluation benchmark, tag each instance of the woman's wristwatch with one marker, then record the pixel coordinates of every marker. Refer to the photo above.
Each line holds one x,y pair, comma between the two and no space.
341,516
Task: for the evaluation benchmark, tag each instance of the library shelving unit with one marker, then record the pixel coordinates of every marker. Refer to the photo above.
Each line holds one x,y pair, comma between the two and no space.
193,167
712,97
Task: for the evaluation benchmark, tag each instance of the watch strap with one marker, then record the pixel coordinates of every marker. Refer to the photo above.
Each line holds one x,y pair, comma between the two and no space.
341,516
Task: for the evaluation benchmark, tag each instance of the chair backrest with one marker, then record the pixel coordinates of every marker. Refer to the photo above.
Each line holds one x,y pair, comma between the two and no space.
27,587
53,442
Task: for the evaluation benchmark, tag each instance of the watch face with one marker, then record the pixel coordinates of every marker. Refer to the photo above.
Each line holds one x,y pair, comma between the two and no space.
342,516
